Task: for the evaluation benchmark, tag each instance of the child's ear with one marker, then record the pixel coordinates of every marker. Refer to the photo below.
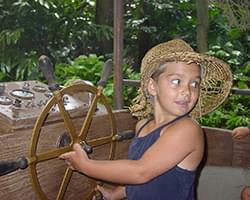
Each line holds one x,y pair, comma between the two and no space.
152,87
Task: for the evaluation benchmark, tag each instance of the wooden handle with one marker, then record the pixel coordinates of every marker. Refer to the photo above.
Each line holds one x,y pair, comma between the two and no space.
105,73
9,166
125,135
46,67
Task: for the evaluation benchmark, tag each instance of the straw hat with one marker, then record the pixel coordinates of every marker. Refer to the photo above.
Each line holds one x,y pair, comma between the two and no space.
215,85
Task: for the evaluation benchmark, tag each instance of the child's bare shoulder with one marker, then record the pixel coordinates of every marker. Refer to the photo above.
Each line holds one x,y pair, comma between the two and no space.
186,125
188,121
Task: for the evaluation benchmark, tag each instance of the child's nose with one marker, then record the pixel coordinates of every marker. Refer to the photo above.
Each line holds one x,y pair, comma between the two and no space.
185,91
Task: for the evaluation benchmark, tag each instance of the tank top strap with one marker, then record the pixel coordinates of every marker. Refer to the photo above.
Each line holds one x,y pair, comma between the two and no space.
162,126
143,125
172,121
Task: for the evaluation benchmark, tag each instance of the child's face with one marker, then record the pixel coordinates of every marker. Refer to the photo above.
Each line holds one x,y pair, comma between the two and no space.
176,90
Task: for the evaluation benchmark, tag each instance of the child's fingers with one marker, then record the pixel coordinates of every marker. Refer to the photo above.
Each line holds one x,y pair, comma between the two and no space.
235,134
77,147
64,156
101,192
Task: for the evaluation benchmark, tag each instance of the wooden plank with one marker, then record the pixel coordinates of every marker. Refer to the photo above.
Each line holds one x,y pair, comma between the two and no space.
223,150
241,152
219,150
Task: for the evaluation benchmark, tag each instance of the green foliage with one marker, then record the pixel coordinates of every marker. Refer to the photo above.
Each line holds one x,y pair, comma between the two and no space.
159,21
234,112
90,68
83,67
65,30
15,65
60,29
129,92
156,18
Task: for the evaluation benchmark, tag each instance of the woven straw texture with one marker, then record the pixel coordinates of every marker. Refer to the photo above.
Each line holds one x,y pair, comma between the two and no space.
215,85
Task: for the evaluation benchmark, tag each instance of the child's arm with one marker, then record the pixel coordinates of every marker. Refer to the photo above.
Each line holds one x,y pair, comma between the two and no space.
160,157
240,132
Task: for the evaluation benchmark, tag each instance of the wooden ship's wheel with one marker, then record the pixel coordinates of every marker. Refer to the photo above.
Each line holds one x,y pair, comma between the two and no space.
88,144
57,99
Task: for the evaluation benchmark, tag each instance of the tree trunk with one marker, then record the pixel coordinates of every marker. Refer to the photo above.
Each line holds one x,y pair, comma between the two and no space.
144,38
202,26
104,16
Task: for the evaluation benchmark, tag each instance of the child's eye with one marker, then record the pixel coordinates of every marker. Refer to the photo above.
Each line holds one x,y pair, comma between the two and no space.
175,81
195,84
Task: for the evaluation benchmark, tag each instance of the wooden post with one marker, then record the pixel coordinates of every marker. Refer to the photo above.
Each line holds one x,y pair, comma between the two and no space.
118,46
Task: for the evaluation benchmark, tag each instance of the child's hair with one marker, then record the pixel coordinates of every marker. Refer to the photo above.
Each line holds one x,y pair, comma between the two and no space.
159,71
163,67
215,84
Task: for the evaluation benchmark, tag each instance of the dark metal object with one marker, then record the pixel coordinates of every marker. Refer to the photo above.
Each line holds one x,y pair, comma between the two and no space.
87,148
63,140
17,103
9,166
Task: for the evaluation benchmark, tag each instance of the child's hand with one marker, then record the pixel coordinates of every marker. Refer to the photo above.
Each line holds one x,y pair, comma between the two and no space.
111,193
240,132
106,192
75,159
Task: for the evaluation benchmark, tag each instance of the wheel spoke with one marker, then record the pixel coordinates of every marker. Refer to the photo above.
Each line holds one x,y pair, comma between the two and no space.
66,117
88,118
100,141
49,155
64,184
38,125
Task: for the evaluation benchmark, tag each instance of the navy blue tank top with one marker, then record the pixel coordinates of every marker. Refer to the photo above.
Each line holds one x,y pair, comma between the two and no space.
174,184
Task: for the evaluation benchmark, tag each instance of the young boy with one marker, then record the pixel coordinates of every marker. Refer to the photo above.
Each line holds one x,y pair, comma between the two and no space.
177,86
